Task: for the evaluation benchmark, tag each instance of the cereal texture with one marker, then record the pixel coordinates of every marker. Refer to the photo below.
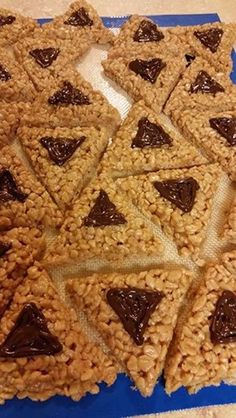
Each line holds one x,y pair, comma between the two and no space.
9,121
186,229
113,243
193,360
229,231
37,209
73,371
66,181
20,27
122,160
143,363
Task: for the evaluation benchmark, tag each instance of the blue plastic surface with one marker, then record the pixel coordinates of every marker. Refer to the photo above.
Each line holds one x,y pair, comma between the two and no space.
121,400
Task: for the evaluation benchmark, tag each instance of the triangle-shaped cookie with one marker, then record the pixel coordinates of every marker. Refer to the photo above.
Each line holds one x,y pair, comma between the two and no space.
41,331
179,201
150,301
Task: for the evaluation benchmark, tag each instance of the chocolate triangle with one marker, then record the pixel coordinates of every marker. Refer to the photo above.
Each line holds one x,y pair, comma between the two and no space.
30,336
223,325
9,189
149,70
4,74
150,135
181,192
134,307
6,20
104,213
189,58
68,95
4,247
61,149
210,38
79,18
45,57
147,32
226,127
205,84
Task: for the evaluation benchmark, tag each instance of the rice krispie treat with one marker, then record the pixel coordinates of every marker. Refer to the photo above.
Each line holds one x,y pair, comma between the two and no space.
14,27
215,132
147,142
64,159
9,121
19,247
15,85
102,224
23,200
229,231
146,75
136,315
43,351
80,20
70,101
203,349
179,201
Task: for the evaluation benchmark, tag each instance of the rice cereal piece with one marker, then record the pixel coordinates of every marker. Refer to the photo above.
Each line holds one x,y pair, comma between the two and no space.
64,159
101,224
80,20
56,358
147,142
23,200
19,247
9,122
215,133
179,201
15,85
229,231
14,27
201,353
146,75
143,361
70,101
201,88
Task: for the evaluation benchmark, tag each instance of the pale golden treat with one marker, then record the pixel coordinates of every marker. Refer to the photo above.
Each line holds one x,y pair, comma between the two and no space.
146,75
14,27
202,352
70,101
147,142
102,224
179,201
143,356
229,230
215,133
80,20
56,358
24,201
19,247
9,121
201,88
15,85
64,159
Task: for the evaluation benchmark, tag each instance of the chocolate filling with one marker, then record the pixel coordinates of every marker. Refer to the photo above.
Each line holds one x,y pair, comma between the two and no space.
189,58
223,325
68,95
45,57
4,74
4,247
149,70
150,135
210,38
205,84
79,18
226,127
9,189
6,20
61,149
147,32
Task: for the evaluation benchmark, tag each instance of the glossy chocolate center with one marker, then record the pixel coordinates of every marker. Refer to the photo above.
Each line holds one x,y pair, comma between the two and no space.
68,95
147,32
205,84
9,189
79,18
134,307
4,247
104,213
226,127
223,325
210,38
189,58
149,70
150,135
61,149
4,74
6,20
181,192
45,57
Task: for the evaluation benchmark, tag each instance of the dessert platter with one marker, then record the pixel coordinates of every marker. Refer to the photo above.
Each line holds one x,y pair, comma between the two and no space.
117,223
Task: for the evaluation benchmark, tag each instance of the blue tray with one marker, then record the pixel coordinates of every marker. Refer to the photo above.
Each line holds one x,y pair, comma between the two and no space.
120,400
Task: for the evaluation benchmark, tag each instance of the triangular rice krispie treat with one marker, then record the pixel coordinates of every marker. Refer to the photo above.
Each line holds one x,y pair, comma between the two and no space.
15,85
203,349
70,101
80,20
147,142
215,133
24,201
102,224
14,27
64,159
43,351
179,201
136,314
19,247
146,75
229,230
9,121
202,88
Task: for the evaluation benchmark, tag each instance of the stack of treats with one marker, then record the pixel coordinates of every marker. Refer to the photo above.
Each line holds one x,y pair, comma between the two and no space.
78,185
